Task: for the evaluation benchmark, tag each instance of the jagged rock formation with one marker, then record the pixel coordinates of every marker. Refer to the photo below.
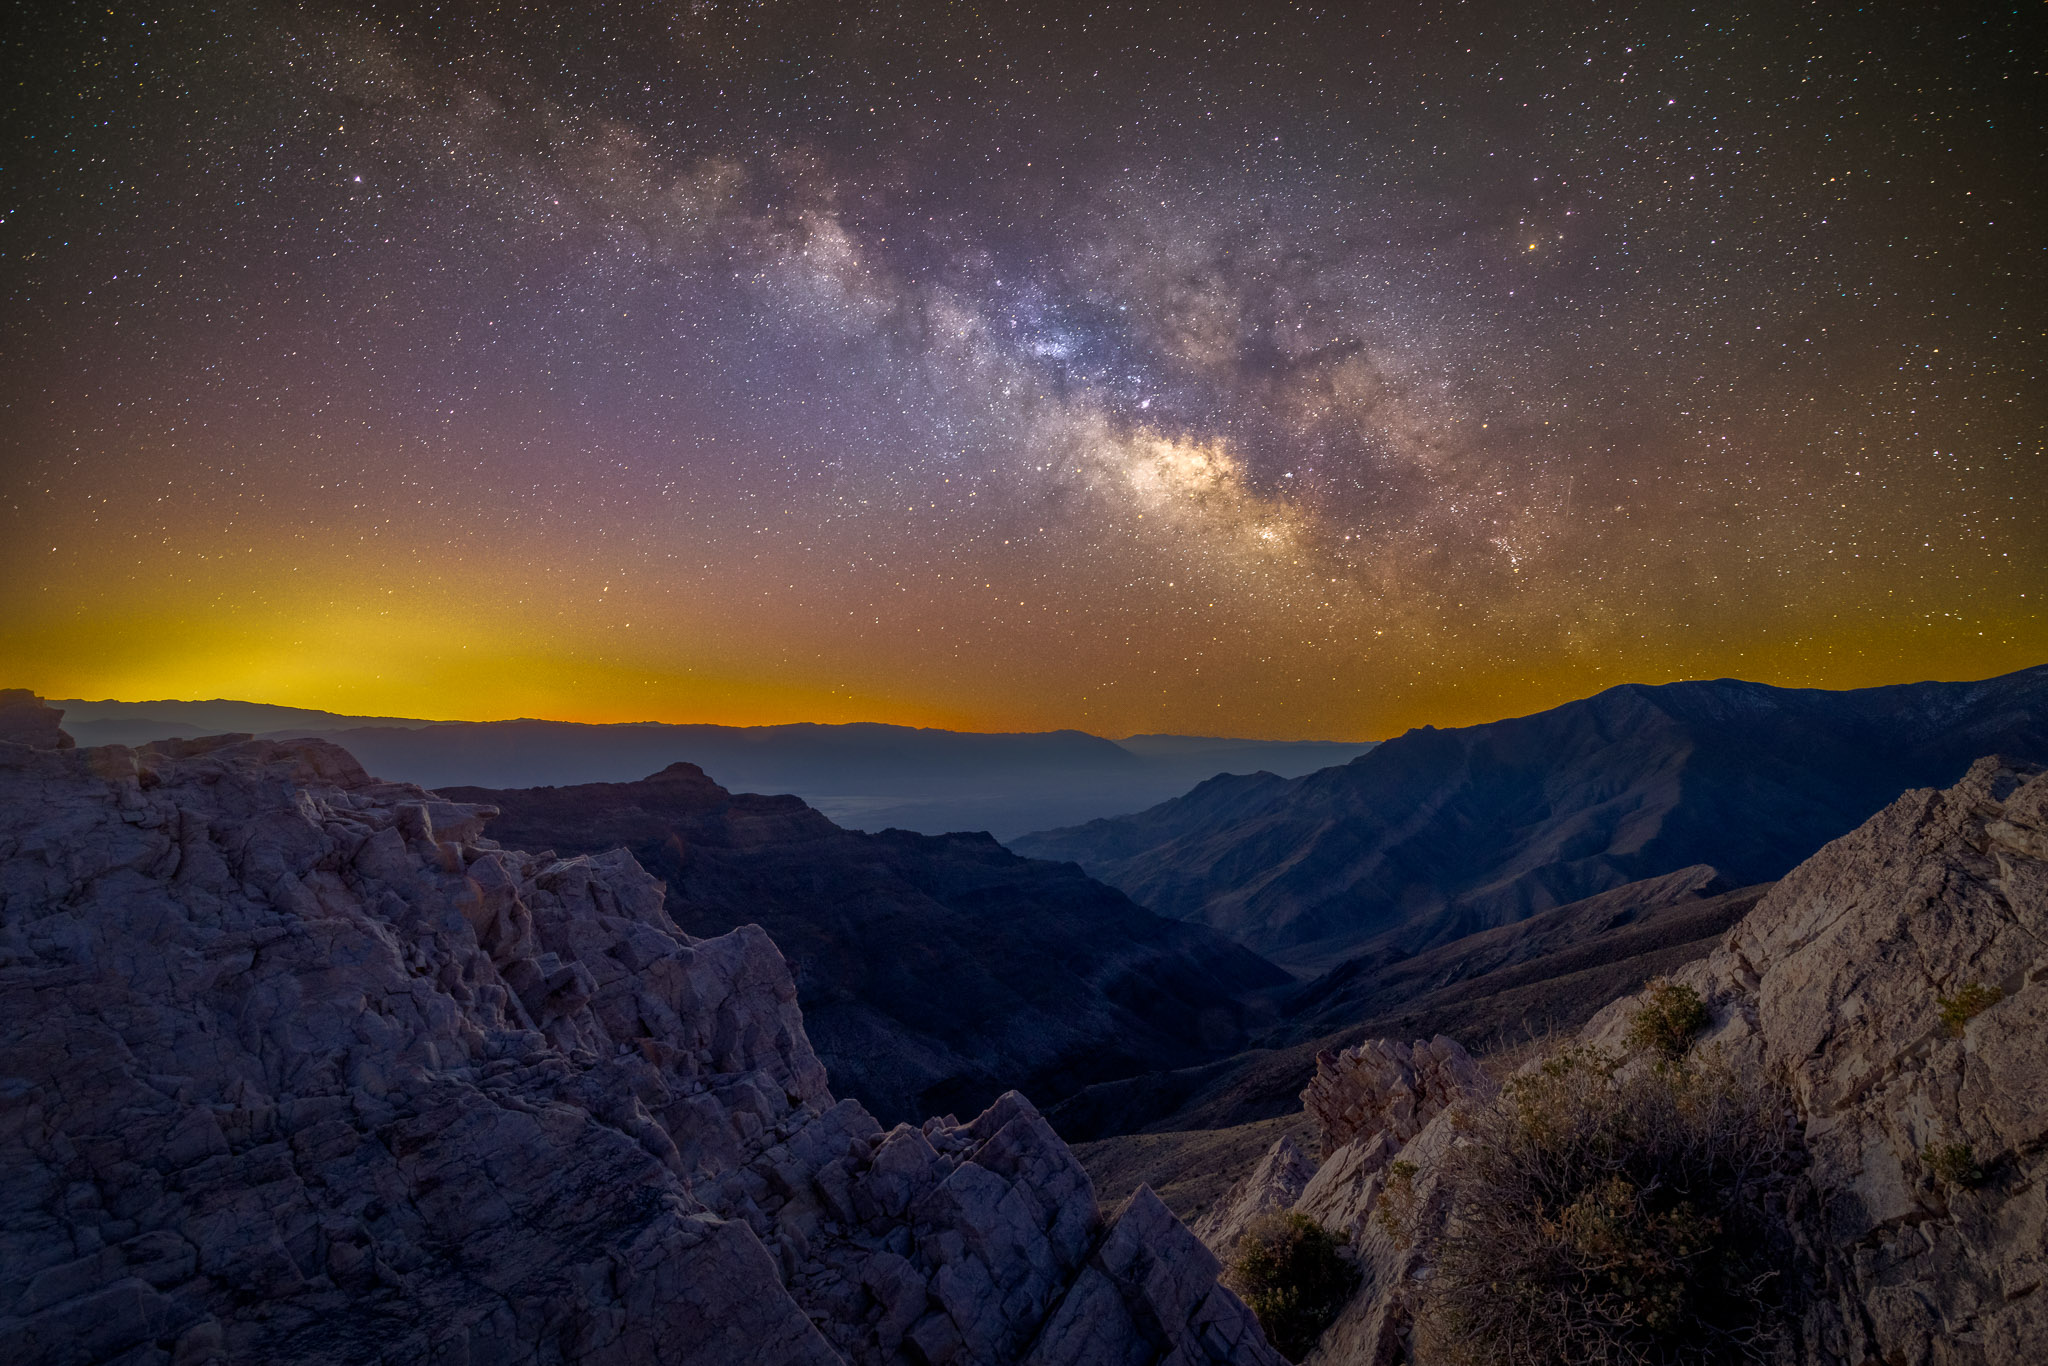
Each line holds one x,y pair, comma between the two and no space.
1387,1091
1371,1103
1893,984
1897,982
24,720
1441,833
299,1067
1274,1184
935,971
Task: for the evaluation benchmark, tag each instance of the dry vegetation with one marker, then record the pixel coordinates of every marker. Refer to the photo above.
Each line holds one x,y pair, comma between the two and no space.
1969,1001
1616,1215
1294,1275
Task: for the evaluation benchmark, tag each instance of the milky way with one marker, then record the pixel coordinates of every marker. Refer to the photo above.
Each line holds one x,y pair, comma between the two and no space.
1295,374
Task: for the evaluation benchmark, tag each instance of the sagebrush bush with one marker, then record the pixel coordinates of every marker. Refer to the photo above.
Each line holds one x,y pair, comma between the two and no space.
1952,1164
1293,1274
1969,1001
1666,1022
1396,1204
1617,1216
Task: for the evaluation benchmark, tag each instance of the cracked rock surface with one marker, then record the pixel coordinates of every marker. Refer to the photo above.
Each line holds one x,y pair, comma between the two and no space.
1896,985
296,1066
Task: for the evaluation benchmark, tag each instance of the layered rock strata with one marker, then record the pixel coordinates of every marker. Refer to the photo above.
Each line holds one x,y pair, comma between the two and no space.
298,1066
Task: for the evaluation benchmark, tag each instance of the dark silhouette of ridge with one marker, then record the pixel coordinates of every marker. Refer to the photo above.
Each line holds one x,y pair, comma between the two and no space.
934,972
1440,833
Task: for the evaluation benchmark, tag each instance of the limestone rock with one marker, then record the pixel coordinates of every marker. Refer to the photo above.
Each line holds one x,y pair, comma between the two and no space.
1894,984
1374,1103
297,1066
1837,984
1151,1282
1394,1217
1274,1184
1383,1087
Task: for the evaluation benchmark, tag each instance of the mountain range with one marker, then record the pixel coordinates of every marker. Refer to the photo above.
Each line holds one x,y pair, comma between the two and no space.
867,776
1437,834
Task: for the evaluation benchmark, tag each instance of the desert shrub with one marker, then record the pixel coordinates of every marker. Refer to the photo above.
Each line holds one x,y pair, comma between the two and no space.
1666,1022
1293,1273
1970,1000
1616,1216
1397,1200
1952,1164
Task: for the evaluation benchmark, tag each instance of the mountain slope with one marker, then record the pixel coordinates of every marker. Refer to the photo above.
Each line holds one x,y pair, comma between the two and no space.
935,972
1491,991
1439,833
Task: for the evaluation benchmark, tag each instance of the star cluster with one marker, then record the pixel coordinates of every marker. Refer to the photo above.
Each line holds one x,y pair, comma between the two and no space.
1261,370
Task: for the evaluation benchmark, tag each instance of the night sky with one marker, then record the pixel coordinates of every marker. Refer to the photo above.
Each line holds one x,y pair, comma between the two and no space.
1267,370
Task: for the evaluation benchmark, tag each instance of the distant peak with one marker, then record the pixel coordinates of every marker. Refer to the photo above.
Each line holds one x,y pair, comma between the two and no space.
679,772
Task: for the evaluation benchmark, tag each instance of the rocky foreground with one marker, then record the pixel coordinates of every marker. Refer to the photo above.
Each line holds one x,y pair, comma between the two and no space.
297,1066
1892,989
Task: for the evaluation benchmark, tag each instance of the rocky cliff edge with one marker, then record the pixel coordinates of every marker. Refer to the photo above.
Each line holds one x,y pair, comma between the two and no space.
1894,987
297,1066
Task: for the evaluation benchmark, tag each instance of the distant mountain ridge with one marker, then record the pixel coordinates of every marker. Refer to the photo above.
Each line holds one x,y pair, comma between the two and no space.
110,722
1440,833
864,775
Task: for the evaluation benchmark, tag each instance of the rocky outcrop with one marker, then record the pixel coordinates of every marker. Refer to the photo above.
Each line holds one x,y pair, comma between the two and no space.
299,1067
24,720
1274,1184
1893,986
1386,1091
1897,983
935,971
1371,1103
1382,1112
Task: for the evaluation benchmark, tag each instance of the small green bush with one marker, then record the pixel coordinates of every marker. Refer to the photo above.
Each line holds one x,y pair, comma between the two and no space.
1397,1200
1605,1216
1667,1021
1952,1164
1293,1273
1971,999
